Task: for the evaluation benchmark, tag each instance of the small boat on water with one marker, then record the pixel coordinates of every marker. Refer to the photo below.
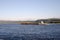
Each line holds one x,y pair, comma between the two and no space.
42,23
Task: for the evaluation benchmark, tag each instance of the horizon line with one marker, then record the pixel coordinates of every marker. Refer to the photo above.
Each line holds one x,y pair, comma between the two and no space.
24,19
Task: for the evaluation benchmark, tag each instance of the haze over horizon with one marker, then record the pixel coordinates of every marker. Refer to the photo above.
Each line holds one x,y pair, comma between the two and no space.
29,9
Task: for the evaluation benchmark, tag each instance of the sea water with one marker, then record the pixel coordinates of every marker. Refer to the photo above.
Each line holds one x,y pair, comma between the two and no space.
29,32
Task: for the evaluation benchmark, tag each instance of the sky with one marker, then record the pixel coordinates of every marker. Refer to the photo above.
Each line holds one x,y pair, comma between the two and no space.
29,9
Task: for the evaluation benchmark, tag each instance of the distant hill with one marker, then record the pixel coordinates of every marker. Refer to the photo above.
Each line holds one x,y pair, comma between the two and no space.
50,20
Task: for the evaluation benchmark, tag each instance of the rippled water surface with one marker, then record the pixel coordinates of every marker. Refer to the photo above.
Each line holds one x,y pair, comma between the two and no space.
29,32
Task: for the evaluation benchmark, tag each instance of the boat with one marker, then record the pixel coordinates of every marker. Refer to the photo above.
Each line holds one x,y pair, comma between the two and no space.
42,23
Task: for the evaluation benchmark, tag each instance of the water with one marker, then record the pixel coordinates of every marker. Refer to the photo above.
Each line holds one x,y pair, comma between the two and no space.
29,32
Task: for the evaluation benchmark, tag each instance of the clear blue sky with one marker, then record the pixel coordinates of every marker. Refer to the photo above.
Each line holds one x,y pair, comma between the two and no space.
29,9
